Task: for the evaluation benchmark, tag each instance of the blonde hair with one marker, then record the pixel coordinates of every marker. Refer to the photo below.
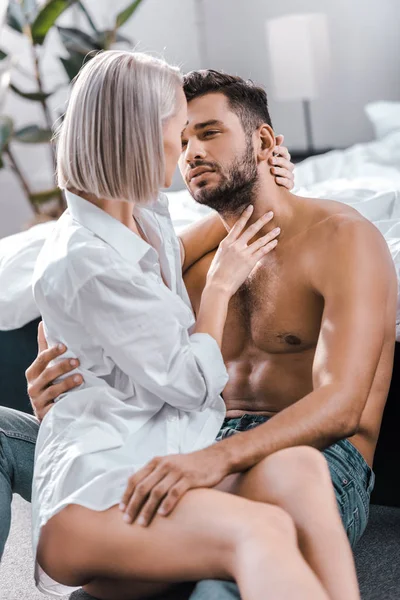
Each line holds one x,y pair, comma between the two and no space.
110,143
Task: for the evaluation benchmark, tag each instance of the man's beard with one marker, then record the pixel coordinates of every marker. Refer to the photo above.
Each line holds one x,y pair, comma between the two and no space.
236,189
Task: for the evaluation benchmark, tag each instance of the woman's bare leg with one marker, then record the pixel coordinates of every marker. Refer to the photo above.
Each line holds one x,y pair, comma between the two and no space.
298,480
210,535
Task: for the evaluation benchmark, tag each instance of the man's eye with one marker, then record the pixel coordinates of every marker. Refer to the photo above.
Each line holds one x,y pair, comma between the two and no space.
210,133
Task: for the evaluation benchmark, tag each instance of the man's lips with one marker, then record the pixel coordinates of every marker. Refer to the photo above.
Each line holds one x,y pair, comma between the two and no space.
199,171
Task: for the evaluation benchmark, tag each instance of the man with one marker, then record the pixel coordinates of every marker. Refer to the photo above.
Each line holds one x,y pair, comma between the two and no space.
309,338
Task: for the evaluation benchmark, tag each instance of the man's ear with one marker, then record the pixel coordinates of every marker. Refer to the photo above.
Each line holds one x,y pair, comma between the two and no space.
266,142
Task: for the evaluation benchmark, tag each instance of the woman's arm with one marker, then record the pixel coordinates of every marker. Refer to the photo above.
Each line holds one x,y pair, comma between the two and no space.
231,265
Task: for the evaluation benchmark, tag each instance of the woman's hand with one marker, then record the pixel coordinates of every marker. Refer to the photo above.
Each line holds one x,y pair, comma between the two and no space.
158,487
281,166
235,257
40,376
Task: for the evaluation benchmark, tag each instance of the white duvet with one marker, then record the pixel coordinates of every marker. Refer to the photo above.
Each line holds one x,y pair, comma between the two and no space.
365,176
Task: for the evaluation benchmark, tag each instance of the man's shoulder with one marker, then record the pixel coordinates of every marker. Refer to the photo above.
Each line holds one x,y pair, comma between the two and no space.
344,243
334,223
326,213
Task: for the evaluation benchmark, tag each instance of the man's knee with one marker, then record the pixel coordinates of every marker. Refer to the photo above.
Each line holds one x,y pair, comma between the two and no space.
18,424
215,590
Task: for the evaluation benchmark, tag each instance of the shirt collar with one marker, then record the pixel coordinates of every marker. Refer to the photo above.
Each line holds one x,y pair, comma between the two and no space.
159,206
129,245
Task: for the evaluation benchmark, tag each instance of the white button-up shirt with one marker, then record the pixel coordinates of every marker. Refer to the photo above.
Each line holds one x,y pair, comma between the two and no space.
151,387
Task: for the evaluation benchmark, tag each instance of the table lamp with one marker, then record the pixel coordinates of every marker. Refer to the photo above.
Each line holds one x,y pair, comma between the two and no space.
299,55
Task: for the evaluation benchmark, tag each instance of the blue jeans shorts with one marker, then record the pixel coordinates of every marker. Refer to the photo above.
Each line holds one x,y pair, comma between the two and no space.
353,480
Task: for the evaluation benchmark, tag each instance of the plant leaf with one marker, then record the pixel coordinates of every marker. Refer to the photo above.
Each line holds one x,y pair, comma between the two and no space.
75,40
88,16
73,63
109,35
35,96
47,17
123,38
6,131
42,197
15,16
126,14
3,55
32,134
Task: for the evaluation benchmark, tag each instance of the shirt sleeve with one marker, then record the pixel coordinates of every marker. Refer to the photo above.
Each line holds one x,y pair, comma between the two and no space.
139,328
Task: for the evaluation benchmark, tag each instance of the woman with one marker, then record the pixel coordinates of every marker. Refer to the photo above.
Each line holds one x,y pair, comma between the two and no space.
108,285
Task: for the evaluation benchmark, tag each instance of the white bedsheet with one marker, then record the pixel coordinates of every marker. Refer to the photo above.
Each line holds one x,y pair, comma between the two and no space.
378,160
366,176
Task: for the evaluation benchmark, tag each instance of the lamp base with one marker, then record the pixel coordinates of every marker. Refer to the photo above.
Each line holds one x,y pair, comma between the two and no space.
308,127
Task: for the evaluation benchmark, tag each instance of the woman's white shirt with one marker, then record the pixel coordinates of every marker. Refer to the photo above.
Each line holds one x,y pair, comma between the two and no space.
151,387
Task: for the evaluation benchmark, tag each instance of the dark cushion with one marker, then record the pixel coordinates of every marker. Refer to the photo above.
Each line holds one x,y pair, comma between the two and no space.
18,349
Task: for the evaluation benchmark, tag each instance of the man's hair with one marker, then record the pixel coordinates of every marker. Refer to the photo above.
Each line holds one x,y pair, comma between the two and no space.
110,143
247,100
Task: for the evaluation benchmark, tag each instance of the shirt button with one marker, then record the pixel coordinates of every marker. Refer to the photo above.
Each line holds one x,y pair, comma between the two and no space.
172,418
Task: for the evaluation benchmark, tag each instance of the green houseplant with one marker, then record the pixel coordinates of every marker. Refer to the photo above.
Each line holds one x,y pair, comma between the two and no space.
34,22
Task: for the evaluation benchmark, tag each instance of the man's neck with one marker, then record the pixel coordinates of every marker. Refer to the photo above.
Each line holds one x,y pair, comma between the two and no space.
268,197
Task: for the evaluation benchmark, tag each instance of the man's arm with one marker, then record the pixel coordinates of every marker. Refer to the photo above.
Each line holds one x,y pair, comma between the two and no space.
200,238
359,286
40,375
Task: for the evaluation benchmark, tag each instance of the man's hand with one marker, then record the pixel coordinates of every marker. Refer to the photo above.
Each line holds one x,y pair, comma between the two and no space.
160,485
40,376
281,167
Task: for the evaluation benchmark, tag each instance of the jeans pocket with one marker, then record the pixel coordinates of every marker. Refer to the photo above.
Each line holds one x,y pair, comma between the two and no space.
346,497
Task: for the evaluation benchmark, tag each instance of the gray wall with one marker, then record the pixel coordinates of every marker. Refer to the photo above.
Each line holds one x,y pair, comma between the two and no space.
365,45
365,65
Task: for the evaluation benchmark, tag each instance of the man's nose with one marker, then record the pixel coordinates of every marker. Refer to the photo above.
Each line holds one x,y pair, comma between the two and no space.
194,151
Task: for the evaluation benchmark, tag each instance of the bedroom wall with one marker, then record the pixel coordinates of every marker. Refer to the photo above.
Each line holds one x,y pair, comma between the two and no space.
365,46
365,67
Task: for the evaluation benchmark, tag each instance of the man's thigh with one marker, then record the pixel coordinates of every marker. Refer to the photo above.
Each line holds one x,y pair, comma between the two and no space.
215,590
18,434
353,482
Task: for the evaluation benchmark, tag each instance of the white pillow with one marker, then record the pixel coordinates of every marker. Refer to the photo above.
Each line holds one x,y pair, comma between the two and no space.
384,116
18,254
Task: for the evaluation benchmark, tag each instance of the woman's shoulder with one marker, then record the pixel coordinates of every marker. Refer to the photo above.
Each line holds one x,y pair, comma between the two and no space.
72,255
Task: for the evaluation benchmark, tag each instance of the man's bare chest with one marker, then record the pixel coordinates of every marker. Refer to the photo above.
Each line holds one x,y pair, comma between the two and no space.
275,311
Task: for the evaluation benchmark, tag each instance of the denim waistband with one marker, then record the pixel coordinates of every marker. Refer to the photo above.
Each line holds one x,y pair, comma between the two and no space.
343,450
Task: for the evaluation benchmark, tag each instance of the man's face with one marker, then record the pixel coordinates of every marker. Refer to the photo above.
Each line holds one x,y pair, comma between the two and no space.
218,161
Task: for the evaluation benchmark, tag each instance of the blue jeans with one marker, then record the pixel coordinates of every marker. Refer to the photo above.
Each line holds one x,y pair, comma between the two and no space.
18,433
352,478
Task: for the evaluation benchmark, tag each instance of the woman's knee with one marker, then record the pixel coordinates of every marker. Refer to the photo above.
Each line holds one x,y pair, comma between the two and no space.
294,470
271,523
62,552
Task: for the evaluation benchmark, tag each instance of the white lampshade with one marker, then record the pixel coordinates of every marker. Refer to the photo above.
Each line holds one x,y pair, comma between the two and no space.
299,55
